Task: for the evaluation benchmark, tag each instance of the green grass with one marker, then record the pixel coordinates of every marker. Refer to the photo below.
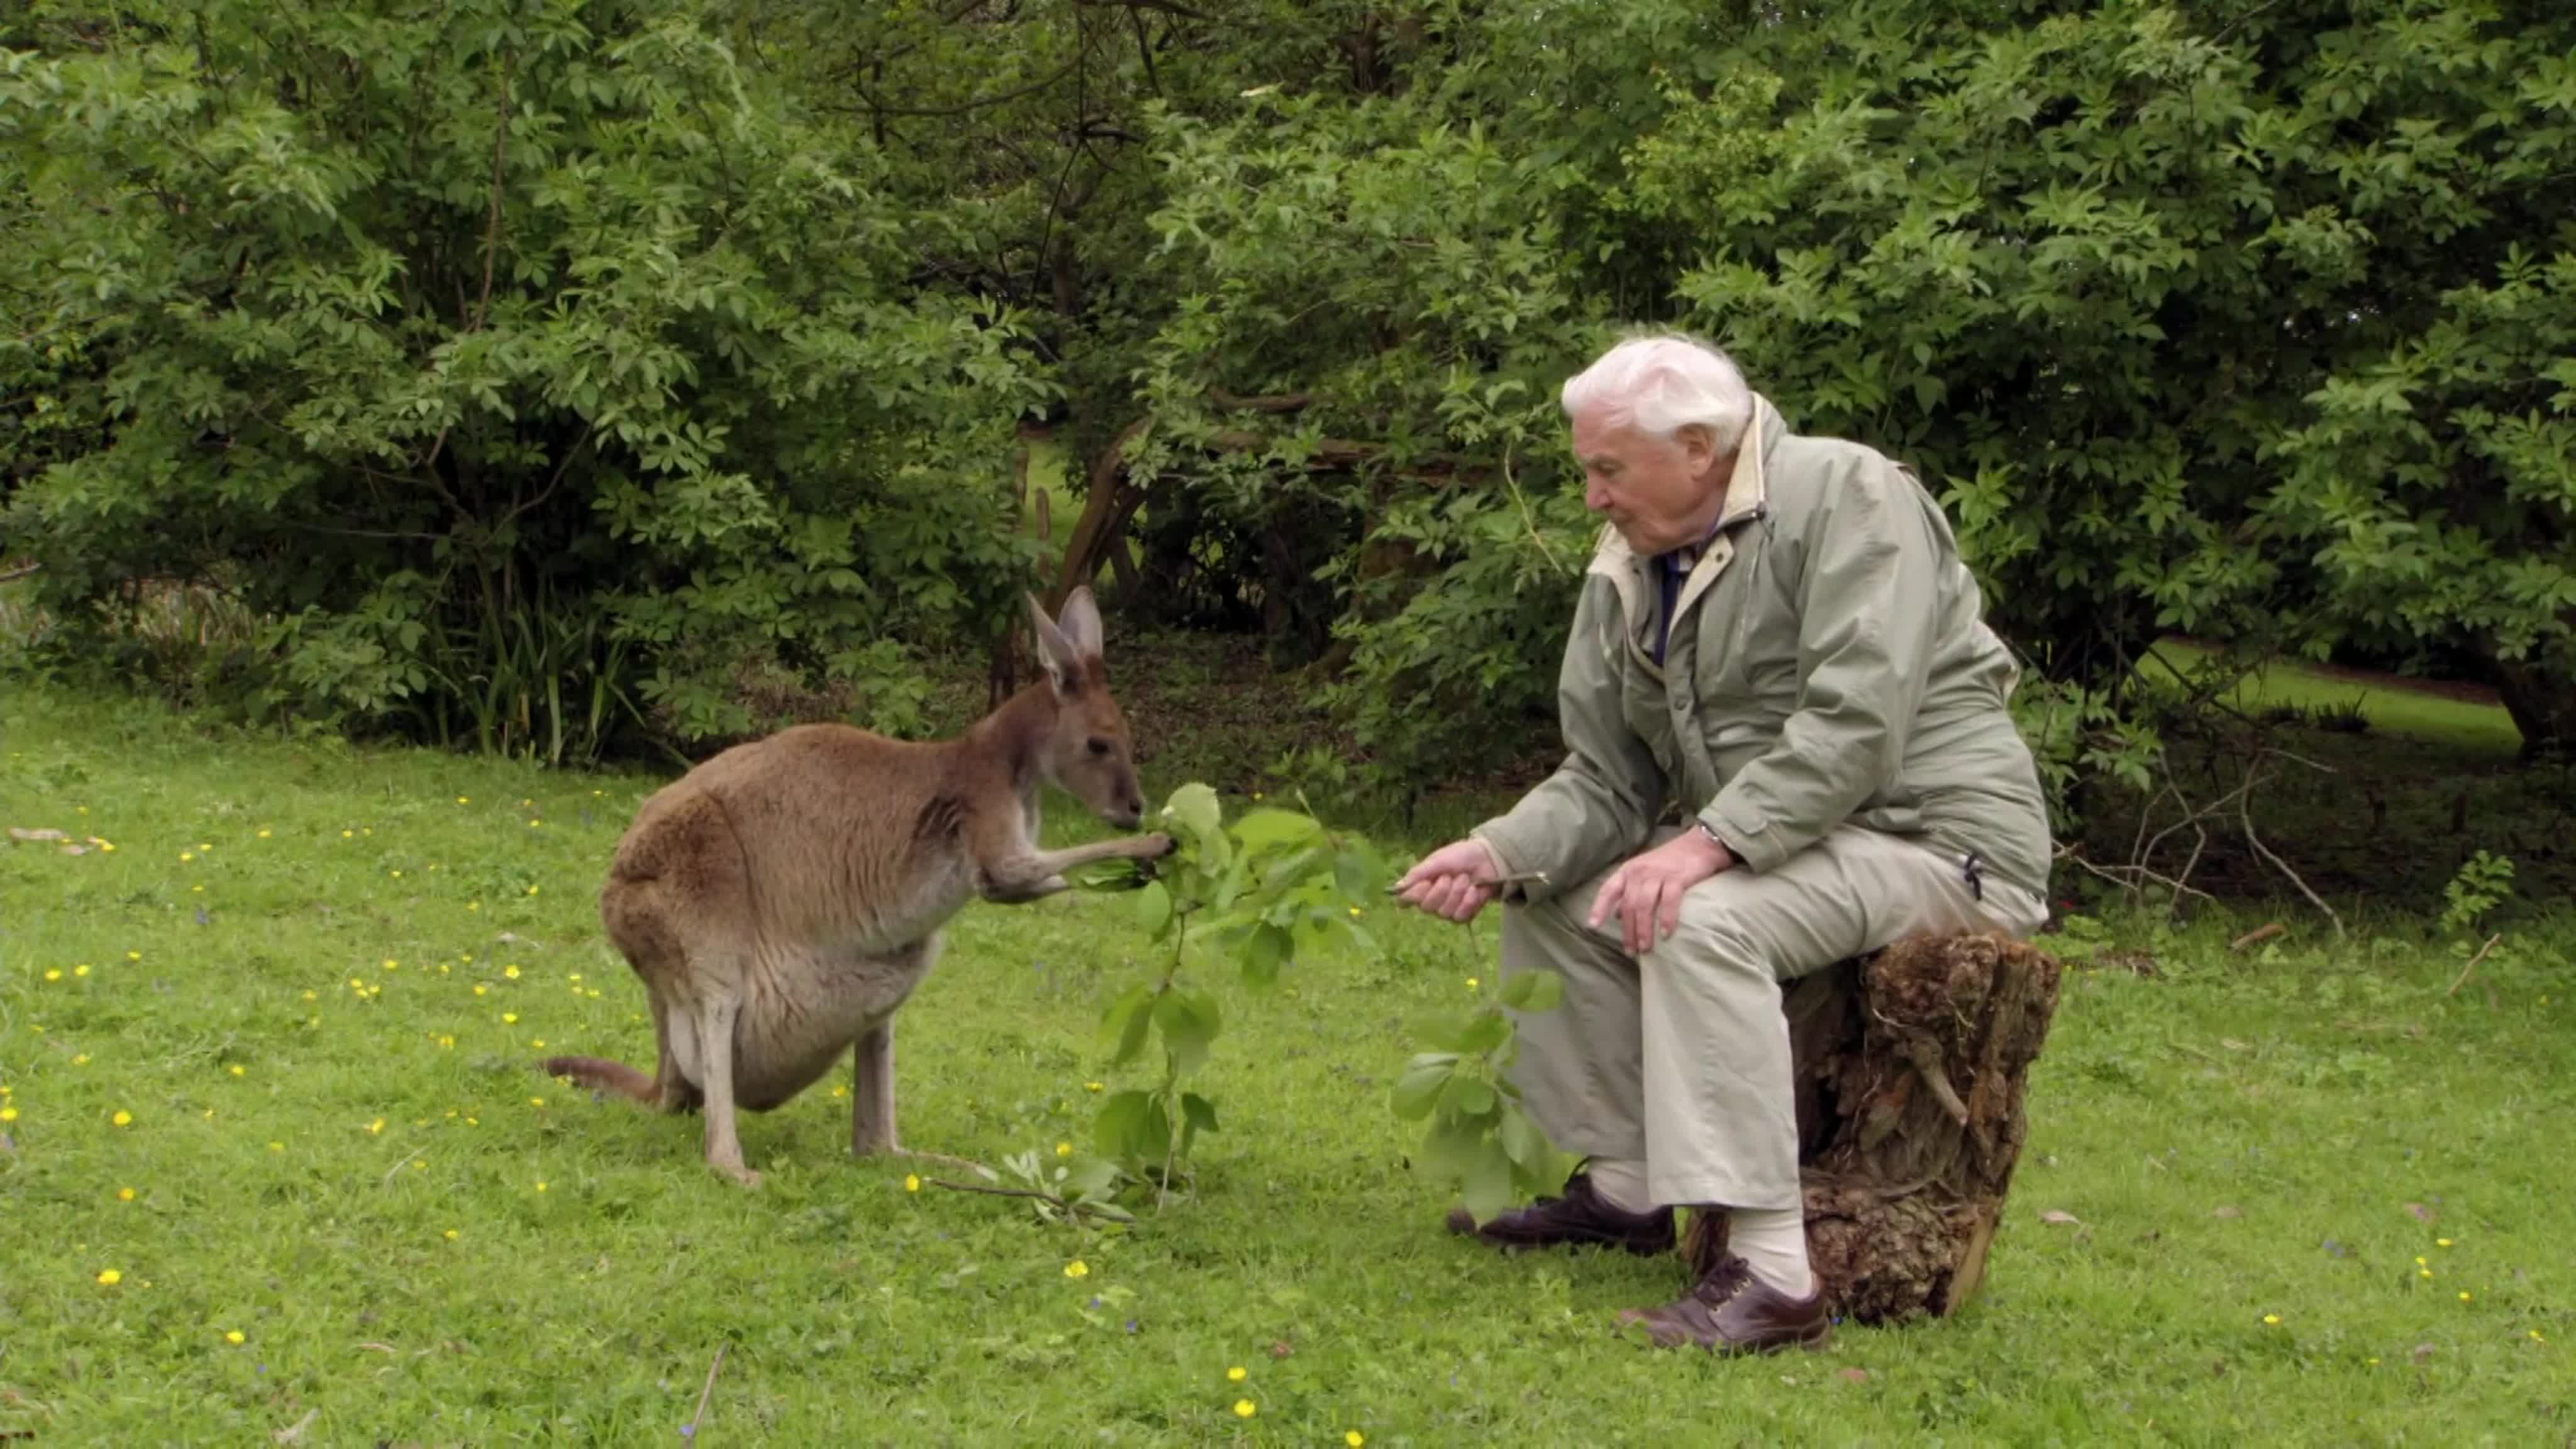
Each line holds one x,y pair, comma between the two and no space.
2239,1136
2417,713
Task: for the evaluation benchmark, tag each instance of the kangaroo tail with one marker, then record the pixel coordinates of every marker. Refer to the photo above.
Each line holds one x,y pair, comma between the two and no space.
605,1076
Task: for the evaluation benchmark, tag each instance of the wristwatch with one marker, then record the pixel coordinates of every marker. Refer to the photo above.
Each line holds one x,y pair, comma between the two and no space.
1714,838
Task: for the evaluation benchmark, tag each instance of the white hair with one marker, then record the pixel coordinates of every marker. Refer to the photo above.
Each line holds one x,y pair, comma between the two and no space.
1663,382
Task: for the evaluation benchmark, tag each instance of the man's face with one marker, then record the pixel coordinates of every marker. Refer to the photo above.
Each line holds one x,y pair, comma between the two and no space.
1660,493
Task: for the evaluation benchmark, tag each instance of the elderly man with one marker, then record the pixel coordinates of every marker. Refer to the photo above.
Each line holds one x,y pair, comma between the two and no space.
1776,639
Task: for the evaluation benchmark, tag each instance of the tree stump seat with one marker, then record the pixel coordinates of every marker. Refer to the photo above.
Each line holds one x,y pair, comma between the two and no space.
1910,1064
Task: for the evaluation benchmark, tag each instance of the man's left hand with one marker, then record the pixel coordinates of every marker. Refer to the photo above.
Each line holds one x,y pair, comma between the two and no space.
1646,893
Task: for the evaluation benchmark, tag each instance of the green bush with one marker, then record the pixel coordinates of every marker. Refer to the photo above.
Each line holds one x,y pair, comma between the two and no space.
532,369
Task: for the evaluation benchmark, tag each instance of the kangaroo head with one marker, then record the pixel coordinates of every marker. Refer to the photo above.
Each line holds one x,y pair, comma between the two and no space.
1086,753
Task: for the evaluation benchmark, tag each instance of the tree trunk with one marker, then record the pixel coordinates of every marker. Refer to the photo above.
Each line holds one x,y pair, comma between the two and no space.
1910,1067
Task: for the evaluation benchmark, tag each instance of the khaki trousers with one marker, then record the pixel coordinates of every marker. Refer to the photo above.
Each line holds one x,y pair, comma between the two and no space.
1680,1058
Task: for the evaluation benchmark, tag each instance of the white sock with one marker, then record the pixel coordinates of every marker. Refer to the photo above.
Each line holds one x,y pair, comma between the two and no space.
1622,1184
1774,1242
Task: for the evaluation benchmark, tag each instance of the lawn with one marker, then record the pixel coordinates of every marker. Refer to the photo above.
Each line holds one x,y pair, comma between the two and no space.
268,1062
2395,706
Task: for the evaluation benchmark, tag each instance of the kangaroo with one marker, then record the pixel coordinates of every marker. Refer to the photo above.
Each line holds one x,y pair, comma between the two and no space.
782,899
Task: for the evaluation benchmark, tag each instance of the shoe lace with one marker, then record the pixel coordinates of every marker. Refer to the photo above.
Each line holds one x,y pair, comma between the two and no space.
1730,1277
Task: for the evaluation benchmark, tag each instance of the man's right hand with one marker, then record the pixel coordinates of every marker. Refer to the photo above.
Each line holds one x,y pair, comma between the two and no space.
1453,882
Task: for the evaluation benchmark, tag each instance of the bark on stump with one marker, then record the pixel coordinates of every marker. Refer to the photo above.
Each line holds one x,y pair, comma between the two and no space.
1910,1067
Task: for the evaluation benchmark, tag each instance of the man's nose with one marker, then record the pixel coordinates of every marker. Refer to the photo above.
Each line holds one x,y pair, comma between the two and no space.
1595,497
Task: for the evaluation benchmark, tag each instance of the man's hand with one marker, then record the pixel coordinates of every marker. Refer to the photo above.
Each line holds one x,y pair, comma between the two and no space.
1453,882
1646,893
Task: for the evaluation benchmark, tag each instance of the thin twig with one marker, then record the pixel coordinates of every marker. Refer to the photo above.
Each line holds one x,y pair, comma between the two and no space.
691,1432
399,1164
8,576
2245,814
2473,964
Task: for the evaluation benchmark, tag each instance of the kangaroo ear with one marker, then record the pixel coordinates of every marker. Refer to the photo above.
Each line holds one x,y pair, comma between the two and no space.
1080,621
1063,662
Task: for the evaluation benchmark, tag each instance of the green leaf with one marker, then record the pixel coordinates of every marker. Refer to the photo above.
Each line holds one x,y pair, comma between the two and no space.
1357,876
1269,828
1467,1096
1486,1185
1195,809
1154,908
1127,1020
1418,1090
1292,872
1188,1024
1522,1140
1448,1148
1264,952
1124,1128
1198,1112
1488,1030
1533,991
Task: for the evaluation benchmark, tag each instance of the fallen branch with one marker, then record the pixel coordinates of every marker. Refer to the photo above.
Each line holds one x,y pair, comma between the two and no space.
690,1430
2258,936
12,575
2473,964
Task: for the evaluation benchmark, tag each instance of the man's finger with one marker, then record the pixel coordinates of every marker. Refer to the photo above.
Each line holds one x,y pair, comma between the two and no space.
1608,899
1672,915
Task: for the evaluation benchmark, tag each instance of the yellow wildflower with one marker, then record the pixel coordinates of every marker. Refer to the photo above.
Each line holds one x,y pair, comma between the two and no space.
376,1127
450,1235
185,857
1064,1149
8,1114
1077,1269
532,890
1471,983
480,988
541,1187
81,1059
263,835
536,1101
2272,1318
509,1018
1355,1439
911,1183
277,1147
2442,1242
1235,1375
2464,1295
1091,1086
125,1194
238,1070
54,973
122,1118
133,955
392,964
510,971
1245,1408
234,1337
110,1277
81,970
462,800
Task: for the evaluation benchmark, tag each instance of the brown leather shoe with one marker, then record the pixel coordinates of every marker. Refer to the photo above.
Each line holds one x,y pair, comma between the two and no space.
1583,1217
1731,1311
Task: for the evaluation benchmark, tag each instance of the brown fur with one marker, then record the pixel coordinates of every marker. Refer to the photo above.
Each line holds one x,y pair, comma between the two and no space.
781,900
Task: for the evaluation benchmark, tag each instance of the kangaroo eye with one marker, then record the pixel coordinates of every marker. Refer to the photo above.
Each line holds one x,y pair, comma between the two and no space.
1099,746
